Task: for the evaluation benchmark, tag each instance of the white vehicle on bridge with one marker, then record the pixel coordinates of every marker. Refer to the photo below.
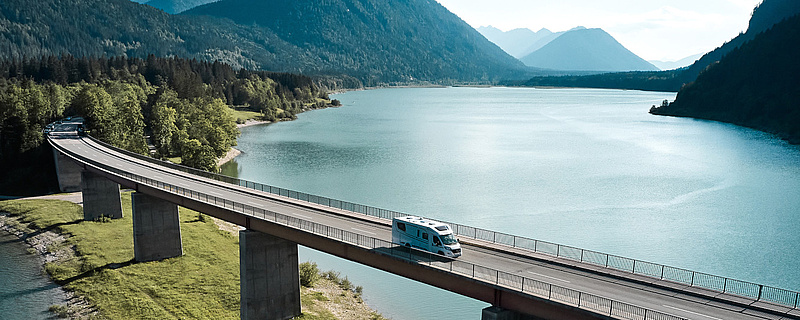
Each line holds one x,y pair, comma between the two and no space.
425,234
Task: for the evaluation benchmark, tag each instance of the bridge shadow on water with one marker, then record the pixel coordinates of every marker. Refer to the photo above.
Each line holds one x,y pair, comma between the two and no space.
15,294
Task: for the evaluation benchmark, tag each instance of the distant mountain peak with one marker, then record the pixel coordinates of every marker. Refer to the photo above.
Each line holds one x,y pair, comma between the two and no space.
582,49
518,42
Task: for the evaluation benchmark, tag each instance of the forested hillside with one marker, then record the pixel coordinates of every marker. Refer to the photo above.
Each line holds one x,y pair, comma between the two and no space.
373,40
756,85
183,105
415,40
768,13
124,28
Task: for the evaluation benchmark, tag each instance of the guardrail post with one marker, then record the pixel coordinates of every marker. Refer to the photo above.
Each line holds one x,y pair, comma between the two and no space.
634,267
796,297
760,289
662,272
581,255
606,261
611,308
550,292
725,285
691,284
522,287
558,250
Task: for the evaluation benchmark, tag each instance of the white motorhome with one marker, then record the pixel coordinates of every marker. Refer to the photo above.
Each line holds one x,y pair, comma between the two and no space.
425,234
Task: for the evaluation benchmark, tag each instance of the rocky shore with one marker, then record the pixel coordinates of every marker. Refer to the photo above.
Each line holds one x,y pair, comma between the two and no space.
50,247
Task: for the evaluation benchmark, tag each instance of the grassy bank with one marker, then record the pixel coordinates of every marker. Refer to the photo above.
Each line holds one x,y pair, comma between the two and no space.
202,284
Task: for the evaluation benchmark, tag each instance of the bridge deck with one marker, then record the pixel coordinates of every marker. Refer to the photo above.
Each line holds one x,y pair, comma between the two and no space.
656,295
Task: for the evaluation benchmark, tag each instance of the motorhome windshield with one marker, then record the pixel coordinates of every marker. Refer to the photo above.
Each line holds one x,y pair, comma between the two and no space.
449,239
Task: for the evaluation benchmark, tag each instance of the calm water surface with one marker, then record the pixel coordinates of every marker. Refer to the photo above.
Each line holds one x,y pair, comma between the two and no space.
581,167
25,290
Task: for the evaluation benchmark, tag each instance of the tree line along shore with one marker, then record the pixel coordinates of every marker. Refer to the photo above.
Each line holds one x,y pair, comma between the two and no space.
171,108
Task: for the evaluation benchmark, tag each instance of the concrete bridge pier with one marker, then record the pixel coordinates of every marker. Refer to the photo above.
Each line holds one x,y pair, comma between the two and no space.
497,313
68,173
156,228
100,197
270,278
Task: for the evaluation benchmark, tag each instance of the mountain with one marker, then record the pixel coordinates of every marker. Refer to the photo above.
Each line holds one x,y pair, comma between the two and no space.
670,65
586,50
541,42
521,42
515,42
755,85
765,15
413,40
124,28
176,6
405,40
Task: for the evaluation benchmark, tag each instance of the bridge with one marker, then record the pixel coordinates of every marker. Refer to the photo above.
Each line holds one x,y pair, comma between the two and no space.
521,278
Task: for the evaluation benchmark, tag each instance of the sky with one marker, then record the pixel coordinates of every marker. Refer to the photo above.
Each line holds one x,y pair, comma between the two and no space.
666,30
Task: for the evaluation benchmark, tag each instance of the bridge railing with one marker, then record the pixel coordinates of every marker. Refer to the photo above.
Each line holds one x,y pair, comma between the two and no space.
741,288
583,300
594,303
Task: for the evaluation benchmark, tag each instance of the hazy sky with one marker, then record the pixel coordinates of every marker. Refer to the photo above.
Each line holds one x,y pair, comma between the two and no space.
653,29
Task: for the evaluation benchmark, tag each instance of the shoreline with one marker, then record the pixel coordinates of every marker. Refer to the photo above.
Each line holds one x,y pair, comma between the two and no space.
233,152
50,247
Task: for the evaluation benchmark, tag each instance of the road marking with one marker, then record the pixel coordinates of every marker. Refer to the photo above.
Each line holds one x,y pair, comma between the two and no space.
302,216
694,313
549,277
364,231
215,193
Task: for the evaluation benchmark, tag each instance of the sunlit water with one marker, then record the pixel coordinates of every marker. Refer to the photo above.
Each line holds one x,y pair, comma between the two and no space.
25,290
581,167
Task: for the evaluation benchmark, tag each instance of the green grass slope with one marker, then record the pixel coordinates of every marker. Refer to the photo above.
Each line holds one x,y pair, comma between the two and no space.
201,284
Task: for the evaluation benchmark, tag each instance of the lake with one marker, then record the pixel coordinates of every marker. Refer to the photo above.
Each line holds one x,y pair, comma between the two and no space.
581,167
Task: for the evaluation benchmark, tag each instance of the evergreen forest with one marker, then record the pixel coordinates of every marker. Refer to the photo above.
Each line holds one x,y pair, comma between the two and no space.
756,85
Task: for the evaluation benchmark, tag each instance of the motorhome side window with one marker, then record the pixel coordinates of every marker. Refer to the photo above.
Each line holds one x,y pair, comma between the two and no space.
401,226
